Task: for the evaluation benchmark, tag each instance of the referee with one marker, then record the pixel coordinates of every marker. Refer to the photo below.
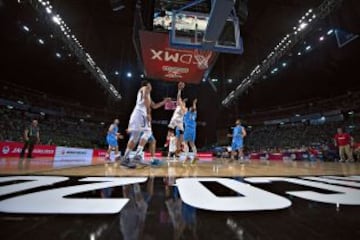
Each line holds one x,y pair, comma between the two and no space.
31,137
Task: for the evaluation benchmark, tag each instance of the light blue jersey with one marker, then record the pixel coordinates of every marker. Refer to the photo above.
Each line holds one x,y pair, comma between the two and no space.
111,138
237,140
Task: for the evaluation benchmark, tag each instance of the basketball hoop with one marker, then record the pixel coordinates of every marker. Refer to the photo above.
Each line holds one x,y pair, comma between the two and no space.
202,58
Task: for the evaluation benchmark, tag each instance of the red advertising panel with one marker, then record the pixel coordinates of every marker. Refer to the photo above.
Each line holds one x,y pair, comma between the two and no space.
13,149
172,64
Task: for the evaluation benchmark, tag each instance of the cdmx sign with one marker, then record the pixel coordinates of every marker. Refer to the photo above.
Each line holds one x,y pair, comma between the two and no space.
344,191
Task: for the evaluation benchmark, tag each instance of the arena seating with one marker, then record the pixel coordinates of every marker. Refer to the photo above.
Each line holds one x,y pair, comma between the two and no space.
60,122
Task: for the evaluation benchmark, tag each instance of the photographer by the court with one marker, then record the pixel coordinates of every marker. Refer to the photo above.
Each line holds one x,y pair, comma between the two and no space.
31,137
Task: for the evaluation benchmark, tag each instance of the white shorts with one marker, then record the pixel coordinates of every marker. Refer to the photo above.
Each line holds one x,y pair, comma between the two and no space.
177,122
138,122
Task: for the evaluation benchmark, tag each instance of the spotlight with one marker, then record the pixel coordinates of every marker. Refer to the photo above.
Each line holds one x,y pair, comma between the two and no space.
303,25
26,28
58,55
129,74
310,10
313,16
299,53
284,64
330,32
321,38
229,80
204,79
116,73
41,41
308,47
56,20
48,10
142,75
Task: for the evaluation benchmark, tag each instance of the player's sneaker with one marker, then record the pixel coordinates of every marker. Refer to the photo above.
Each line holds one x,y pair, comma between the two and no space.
125,162
156,163
117,157
138,159
194,160
187,159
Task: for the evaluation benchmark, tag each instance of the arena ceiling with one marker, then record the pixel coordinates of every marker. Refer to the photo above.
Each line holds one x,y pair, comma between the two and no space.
106,35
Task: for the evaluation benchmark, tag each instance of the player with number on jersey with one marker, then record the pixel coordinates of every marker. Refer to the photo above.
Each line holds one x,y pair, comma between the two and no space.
140,124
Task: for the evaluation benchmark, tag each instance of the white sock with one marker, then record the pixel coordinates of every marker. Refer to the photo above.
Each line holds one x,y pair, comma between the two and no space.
139,150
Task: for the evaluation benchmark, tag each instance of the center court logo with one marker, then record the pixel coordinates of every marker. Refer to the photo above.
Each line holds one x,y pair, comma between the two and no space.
5,149
53,199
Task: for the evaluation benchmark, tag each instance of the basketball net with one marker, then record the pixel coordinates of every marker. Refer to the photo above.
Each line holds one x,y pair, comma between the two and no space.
202,58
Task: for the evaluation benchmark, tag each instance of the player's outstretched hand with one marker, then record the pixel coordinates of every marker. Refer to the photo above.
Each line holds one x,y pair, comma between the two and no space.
181,85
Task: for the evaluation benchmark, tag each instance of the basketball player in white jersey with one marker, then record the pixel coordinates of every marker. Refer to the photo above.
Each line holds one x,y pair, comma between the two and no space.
140,122
177,120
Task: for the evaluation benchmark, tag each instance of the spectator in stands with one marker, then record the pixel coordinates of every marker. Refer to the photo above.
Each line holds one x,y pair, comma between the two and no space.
344,142
31,137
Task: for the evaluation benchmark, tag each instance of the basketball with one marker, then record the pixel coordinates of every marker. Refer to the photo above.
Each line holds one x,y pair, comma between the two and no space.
181,85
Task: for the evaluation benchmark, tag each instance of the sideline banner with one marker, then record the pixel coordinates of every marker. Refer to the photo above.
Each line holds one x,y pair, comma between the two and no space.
13,149
79,154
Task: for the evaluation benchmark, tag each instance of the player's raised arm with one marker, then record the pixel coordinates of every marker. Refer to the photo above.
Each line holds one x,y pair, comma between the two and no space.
183,106
159,104
194,104
181,86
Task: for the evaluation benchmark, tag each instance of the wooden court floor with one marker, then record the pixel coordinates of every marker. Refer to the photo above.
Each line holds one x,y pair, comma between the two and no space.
216,167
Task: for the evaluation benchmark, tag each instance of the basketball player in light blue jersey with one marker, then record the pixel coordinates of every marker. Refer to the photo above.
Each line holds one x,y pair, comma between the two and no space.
190,131
112,139
237,143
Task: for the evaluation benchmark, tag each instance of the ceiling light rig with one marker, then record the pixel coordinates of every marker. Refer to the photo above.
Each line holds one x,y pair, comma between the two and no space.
297,34
45,9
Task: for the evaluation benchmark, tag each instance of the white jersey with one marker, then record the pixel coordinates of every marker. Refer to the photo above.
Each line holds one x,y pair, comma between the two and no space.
140,100
138,120
178,113
177,120
172,144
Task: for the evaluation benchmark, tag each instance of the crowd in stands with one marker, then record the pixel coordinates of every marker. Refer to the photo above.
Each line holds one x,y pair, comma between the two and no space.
300,137
62,123
53,130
